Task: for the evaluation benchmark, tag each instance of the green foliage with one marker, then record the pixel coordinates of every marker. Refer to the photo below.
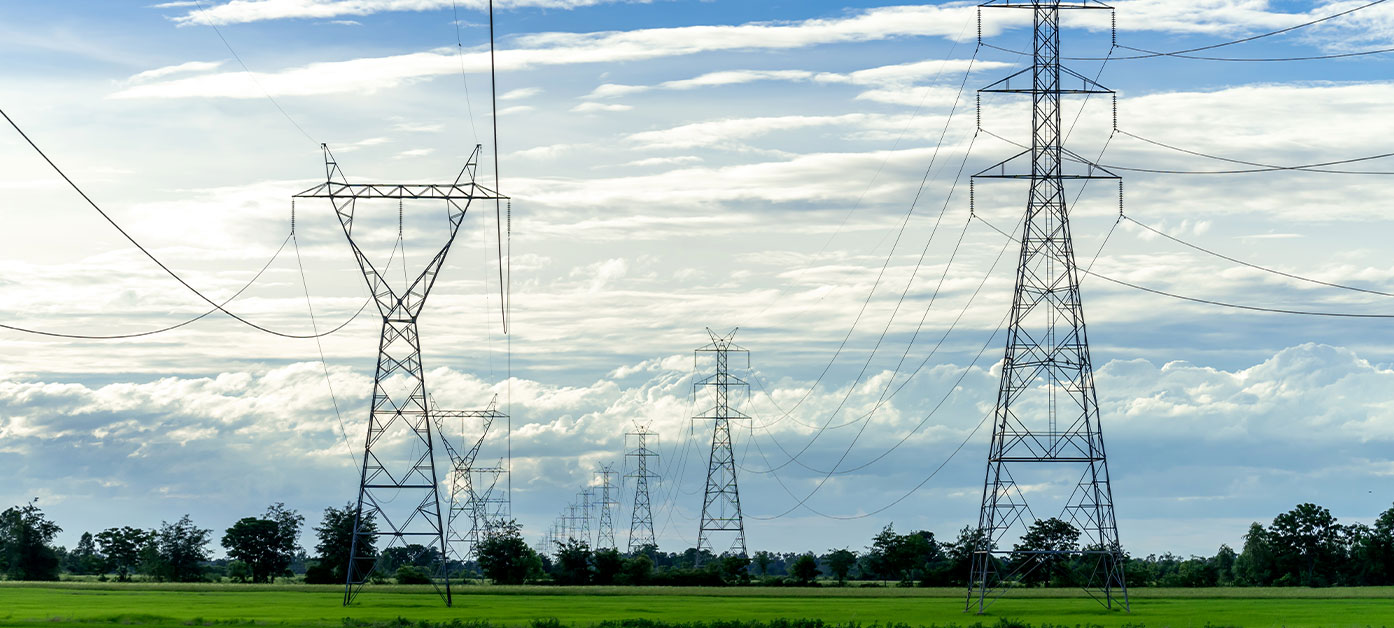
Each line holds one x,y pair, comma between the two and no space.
804,570
637,571
505,558
573,564
238,571
840,563
268,544
335,536
179,551
25,535
607,564
411,574
1048,535
84,559
122,547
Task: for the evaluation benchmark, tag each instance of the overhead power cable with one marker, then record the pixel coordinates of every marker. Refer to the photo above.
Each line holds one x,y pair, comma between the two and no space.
167,269
1258,164
1187,53
1237,306
1252,265
252,75
1320,167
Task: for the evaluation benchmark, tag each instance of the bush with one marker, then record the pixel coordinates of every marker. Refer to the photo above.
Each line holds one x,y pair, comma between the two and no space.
321,573
407,574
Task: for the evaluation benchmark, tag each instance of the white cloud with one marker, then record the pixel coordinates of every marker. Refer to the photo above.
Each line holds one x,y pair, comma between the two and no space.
191,66
521,93
244,11
595,107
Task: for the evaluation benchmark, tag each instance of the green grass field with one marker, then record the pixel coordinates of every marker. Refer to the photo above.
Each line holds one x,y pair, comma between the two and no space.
23,604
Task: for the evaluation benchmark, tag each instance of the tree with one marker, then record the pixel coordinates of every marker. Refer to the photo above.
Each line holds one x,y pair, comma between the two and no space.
1047,535
840,562
335,535
573,564
182,549
608,563
122,549
84,559
267,544
637,571
25,535
762,562
734,568
238,571
1308,541
1254,566
504,557
805,569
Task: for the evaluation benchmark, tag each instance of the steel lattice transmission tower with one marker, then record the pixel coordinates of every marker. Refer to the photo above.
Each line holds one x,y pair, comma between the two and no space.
721,502
641,517
1047,411
398,487
474,496
605,527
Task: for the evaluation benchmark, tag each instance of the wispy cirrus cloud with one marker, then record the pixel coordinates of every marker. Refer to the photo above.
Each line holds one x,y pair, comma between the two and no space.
246,11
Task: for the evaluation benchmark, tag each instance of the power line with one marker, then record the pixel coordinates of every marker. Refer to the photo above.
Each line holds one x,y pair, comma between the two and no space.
1266,167
1185,53
150,255
252,75
1237,306
1252,265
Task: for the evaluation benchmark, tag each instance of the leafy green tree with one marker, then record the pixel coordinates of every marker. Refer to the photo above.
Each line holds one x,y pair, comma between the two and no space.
608,563
412,574
182,548
25,550
637,571
804,569
1223,565
1255,565
505,558
734,569
1047,535
1308,543
122,549
762,562
573,564
238,571
840,563
266,544
335,536
84,559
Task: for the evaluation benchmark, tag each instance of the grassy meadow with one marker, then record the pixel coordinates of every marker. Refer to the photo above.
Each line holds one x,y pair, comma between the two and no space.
61,604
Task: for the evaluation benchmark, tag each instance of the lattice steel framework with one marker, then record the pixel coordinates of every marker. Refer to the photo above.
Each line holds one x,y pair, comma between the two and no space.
605,525
480,510
641,517
398,487
721,502
1047,411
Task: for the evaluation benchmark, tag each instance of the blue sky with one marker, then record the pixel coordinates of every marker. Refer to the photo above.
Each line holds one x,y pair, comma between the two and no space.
677,165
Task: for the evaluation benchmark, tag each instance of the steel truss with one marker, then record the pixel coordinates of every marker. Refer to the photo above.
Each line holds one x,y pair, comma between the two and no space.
721,502
641,517
605,527
1047,410
483,509
398,488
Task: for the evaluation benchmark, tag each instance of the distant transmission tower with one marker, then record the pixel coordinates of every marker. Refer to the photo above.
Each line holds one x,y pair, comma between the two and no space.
641,519
587,497
721,502
477,504
605,529
398,487
1047,411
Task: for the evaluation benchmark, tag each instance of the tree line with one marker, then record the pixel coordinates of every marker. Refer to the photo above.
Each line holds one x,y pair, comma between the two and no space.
1305,546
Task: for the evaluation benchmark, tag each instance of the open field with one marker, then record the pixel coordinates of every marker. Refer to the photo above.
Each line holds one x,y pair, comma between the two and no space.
23,604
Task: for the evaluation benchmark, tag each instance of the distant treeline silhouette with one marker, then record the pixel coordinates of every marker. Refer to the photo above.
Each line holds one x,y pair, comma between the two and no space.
1305,546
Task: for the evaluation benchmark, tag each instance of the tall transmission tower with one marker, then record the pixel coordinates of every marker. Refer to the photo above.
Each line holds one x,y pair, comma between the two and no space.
641,517
721,502
1047,410
398,488
605,527
476,503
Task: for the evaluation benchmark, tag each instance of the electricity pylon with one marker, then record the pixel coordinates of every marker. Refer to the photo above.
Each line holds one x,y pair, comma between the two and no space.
587,508
1047,410
398,488
721,502
605,527
480,509
641,517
